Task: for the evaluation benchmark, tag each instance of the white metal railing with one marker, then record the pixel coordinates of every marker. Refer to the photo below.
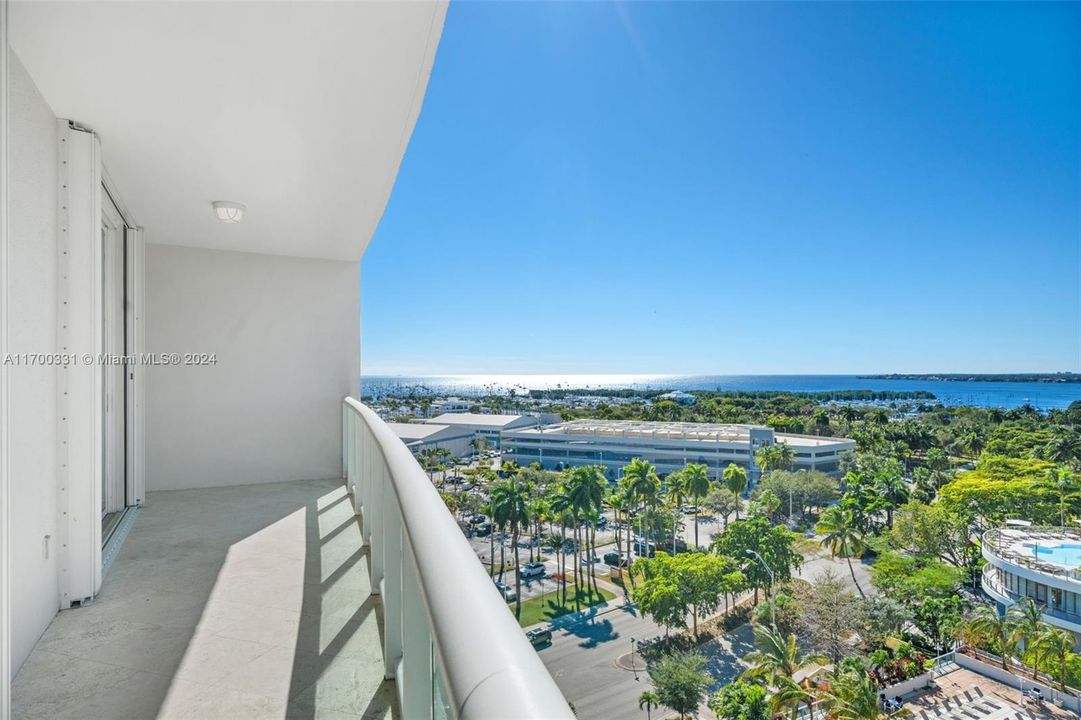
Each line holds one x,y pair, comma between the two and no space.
449,641
1013,546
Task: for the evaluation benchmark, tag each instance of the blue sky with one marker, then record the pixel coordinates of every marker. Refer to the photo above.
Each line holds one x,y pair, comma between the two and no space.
737,188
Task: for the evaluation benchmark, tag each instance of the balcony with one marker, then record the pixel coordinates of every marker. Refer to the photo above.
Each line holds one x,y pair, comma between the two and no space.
244,601
297,599
1002,594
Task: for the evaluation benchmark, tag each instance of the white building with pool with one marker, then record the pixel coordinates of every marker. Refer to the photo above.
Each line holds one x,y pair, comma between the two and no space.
1041,563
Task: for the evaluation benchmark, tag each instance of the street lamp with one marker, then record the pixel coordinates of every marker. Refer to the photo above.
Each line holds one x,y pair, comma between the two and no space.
772,582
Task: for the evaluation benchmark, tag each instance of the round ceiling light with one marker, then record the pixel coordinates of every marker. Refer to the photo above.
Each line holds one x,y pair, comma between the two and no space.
229,212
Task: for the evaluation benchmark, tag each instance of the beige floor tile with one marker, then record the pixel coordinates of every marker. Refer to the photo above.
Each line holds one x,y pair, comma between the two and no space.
244,602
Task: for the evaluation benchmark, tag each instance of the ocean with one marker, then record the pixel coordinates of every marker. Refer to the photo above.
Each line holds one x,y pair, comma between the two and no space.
1007,395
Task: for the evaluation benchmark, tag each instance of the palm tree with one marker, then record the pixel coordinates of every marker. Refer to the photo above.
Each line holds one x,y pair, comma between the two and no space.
842,537
986,626
777,659
620,503
511,501
1064,448
778,456
560,505
696,479
1057,643
890,486
648,701
641,478
677,490
585,489
735,478
853,695
1026,622
1062,481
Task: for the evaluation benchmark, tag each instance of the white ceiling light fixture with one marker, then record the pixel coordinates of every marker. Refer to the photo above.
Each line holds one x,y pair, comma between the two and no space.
229,212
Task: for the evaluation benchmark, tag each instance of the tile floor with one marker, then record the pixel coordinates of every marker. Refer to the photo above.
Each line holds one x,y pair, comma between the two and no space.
225,603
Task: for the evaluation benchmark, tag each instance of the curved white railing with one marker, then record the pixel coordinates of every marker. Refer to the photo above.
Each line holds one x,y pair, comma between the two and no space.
449,641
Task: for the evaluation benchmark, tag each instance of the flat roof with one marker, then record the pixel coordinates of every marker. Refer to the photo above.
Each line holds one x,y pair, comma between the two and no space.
494,421
416,431
701,432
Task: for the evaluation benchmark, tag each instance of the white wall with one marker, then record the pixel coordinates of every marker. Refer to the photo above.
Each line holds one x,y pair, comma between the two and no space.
286,332
32,296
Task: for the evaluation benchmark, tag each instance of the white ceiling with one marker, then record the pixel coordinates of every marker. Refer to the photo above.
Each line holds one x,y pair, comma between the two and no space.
300,110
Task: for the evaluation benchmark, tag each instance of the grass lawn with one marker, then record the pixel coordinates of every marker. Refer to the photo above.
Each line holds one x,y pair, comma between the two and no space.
548,606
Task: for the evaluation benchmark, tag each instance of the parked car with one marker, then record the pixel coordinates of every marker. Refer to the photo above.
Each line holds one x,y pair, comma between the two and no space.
506,591
482,530
478,519
539,637
602,522
641,551
615,559
533,569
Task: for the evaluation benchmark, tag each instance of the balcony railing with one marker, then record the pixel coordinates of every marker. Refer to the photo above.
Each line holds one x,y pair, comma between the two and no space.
449,641
994,587
1003,543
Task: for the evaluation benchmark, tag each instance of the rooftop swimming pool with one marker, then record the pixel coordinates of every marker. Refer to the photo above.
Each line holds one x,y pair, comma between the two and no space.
1068,554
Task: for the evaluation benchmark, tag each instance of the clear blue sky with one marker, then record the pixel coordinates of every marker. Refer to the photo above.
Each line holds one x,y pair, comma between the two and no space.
737,188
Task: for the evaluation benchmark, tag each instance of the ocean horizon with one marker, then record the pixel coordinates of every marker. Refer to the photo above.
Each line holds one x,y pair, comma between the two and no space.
1006,394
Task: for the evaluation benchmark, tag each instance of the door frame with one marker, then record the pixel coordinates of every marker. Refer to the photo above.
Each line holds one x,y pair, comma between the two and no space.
114,281
84,187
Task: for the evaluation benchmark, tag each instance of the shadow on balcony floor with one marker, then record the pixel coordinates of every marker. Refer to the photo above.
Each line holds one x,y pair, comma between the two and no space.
240,602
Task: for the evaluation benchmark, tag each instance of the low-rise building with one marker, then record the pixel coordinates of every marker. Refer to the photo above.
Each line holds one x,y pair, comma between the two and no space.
489,427
451,405
667,445
419,437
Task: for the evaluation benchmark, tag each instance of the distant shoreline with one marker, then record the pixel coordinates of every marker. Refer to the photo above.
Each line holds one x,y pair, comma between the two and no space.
963,377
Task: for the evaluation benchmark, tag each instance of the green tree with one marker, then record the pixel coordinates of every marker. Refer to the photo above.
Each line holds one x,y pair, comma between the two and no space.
842,537
674,586
987,629
510,501
696,478
680,682
677,493
722,501
585,489
648,701
775,544
735,479
853,695
741,700
777,659
1001,487
890,486
560,505
1057,643
909,579
1064,448
1025,618
640,478
1063,483
778,456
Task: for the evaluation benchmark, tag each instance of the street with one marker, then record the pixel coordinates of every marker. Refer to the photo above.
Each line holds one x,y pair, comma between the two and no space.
583,657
